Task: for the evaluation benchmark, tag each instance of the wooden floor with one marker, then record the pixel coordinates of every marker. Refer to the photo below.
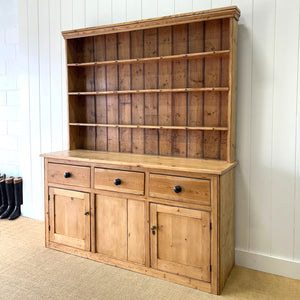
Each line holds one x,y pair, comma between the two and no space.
30,271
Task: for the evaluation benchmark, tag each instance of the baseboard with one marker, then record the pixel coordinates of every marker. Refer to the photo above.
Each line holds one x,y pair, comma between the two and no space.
31,212
269,264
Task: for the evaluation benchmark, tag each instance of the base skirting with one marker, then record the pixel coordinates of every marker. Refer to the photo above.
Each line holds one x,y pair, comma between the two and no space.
269,264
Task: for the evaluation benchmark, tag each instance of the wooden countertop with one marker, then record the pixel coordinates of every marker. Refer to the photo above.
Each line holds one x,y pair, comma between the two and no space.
205,166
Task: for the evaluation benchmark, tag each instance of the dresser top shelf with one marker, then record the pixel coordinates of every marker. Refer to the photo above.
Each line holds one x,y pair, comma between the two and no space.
204,166
191,17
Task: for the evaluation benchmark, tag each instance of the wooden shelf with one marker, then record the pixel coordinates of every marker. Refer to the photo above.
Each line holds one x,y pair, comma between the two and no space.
152,59
149,126
179,74
151,106
182,90
168,163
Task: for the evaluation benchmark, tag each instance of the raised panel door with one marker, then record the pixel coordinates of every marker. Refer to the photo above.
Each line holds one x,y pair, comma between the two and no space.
69,218
180,241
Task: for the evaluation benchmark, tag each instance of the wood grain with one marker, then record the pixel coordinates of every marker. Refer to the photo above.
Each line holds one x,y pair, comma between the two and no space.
211,78
150,75
79,176
195,100
193,190
227,254
165,82
144,161
179,101
228,12
100,85
111,226
112,100
131,182
138,100
136,231
124,84
68,223
178,231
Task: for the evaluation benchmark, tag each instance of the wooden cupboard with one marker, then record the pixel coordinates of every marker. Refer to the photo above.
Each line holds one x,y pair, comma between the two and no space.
120,228
69,220
148,181
180,241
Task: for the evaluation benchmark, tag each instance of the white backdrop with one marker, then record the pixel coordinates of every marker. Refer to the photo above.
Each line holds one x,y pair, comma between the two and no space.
268,112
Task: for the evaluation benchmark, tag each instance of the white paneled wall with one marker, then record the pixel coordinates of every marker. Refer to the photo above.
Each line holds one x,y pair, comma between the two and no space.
10,127
268,112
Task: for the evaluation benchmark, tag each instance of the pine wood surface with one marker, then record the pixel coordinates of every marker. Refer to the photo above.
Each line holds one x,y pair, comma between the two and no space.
144,91
120,228
131,182
146,161
161,58
174,241
192,189
79,176
111,226
69,225
113,218
150,91
226,12
152,104
227,241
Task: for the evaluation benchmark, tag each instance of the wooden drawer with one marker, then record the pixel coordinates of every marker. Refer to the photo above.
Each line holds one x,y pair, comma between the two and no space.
191,190
69,175
119,181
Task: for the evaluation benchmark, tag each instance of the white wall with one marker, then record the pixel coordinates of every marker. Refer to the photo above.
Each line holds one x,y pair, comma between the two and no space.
268,114
10,129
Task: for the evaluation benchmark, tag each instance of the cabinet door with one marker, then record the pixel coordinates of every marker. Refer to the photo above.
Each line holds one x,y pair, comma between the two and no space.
120,228
69,218
180,241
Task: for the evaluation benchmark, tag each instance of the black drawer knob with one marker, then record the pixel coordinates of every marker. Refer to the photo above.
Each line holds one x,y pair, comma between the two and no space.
67,175
177,189
117,181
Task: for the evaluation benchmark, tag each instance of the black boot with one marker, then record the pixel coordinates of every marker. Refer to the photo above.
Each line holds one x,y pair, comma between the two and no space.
18,198
4,204
9,185
1,177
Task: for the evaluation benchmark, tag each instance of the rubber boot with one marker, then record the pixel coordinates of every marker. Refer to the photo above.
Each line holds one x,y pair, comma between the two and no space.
9,185
4,203
18,198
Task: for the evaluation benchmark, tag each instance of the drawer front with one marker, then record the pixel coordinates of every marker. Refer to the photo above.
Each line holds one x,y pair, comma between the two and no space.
191,190
119,181
69,175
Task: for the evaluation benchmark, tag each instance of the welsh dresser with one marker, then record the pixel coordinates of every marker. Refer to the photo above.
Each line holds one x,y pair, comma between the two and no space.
148,181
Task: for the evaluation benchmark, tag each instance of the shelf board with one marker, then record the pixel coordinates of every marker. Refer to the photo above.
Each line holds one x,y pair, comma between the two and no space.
149,126
168,163
181,90
151,59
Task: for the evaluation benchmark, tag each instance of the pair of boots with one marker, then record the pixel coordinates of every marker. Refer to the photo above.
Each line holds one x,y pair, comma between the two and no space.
12,197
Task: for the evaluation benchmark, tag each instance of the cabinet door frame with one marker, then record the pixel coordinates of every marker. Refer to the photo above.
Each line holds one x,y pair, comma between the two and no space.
182,269
83,244
131,236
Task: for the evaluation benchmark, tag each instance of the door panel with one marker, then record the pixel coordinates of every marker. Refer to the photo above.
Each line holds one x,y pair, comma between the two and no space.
70,218
111,226
136,231
120,228
180,243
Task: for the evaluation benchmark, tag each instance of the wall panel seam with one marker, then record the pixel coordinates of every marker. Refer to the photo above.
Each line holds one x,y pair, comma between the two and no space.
297,113
272,116
250,129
